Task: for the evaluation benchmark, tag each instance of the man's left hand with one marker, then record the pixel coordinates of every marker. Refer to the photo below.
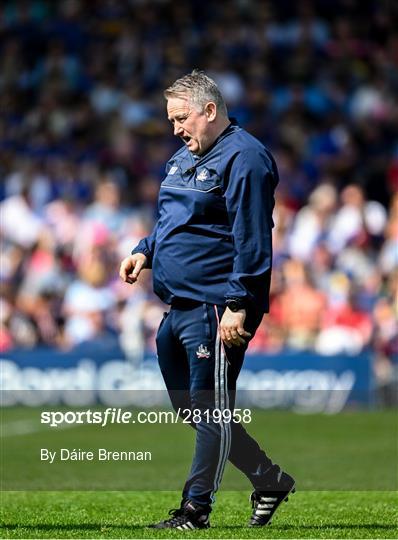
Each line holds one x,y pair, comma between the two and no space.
231,328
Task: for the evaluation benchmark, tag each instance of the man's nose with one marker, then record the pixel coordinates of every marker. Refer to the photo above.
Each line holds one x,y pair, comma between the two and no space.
178,129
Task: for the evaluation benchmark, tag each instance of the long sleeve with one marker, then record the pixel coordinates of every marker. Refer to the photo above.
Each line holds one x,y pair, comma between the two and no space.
250,201
147,246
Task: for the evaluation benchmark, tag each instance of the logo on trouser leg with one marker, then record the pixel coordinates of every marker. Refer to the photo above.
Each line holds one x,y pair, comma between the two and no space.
202,352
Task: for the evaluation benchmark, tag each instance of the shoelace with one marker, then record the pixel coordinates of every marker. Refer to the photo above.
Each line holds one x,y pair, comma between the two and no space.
178,516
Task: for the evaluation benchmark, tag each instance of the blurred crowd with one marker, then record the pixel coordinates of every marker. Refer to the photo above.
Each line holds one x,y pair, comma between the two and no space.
84,141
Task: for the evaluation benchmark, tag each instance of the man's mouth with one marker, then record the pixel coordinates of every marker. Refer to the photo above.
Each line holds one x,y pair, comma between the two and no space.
186,139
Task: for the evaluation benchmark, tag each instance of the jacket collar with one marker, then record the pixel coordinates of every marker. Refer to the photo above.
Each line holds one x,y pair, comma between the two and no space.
230,128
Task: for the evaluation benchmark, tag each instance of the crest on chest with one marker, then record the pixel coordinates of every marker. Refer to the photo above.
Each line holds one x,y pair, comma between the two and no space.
203,175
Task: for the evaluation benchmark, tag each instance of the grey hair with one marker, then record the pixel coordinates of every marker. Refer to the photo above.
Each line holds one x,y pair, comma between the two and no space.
200,88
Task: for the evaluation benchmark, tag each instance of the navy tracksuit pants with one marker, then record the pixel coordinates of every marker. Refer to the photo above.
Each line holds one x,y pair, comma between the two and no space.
200,374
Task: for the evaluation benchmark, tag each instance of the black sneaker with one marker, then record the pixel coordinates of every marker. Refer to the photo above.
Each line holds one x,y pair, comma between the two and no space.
266,502
189,517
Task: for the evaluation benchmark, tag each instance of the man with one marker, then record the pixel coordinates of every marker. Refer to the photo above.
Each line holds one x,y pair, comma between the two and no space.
211,254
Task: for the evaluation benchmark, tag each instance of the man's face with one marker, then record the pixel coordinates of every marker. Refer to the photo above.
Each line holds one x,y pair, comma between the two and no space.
189,124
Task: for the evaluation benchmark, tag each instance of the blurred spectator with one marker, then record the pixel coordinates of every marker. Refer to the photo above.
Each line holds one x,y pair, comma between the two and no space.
312,222
356,219
19,223
298,309
106,209
388,258
87,299
345,329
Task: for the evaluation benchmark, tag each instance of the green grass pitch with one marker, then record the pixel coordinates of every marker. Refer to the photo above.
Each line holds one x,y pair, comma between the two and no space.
345,466
126,514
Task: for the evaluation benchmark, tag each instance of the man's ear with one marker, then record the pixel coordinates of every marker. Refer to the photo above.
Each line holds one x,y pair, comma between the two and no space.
211,111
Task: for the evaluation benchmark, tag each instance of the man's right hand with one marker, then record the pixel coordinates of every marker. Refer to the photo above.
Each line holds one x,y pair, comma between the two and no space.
131,267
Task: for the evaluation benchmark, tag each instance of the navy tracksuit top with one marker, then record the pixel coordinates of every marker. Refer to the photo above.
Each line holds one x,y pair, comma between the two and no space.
213,239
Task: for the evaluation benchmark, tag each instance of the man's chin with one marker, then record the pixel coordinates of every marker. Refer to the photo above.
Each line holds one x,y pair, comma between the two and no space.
193,147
